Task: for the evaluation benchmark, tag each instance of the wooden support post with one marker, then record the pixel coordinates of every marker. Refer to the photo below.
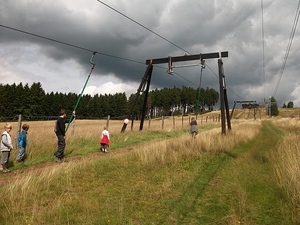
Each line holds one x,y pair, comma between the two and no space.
146,96
227,109
140,89
222,103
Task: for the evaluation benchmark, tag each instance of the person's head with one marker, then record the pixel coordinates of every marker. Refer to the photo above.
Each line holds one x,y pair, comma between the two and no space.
62,112
7,127
105,128
25,127
193,118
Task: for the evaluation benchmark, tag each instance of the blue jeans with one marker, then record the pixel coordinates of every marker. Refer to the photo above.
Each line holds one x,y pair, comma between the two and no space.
22,153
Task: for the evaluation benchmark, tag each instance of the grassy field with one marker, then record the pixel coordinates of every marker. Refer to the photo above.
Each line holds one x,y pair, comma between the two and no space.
160,175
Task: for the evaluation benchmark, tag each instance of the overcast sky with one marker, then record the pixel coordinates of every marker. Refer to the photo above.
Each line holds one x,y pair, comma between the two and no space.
123,46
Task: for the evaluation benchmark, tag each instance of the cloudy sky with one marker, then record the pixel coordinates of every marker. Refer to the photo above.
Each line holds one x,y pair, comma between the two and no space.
51,42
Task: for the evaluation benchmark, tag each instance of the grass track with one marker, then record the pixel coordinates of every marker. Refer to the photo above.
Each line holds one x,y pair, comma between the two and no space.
236,187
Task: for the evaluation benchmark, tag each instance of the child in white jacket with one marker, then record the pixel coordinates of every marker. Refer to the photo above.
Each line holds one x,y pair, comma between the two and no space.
6,146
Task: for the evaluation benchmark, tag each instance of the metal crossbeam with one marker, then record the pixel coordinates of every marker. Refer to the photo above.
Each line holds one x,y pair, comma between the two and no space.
189,58
243,101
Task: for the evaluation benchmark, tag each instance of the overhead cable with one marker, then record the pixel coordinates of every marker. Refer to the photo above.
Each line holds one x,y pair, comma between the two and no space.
85,49
142,26
263,45
70,45
288,48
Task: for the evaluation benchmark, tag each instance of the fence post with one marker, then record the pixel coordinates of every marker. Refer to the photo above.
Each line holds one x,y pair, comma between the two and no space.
173,122
131,128
107,120
149,122
73,126
18,130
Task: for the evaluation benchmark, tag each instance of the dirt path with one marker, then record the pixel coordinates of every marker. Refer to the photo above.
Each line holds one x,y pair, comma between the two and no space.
6,178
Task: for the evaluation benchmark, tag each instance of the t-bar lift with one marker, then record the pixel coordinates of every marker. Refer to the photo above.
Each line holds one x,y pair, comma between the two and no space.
146,80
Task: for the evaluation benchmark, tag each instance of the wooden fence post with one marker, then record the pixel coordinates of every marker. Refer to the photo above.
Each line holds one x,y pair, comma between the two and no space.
149,123
18,131
131,128
107,120
173,122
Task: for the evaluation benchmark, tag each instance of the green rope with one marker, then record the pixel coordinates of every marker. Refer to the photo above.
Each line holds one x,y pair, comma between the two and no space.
198,100
77,103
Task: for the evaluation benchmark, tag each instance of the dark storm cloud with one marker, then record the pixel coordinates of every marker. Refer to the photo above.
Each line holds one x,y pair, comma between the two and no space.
196,27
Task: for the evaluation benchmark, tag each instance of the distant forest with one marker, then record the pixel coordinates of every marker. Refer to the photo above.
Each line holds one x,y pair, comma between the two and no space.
33,103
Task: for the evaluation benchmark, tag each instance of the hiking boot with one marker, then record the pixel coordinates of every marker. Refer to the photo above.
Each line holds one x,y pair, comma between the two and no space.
58,160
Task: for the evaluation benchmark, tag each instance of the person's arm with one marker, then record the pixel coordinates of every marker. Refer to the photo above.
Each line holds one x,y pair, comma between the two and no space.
71,118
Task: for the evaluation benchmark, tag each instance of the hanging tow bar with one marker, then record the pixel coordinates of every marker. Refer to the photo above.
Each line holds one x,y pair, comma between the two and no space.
93,66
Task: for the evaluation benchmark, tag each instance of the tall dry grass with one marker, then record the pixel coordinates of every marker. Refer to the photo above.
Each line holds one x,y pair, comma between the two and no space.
211,142
286,160
61,193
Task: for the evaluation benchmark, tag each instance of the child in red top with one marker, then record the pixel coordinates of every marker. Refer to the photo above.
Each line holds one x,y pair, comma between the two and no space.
104,141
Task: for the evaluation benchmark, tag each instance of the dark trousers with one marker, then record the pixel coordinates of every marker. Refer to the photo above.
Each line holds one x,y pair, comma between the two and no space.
61,146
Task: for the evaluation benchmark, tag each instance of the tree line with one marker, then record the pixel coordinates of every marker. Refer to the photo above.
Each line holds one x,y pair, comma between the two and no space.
33,103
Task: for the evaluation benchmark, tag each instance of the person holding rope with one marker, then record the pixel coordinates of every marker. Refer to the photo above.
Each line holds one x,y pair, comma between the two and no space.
60,131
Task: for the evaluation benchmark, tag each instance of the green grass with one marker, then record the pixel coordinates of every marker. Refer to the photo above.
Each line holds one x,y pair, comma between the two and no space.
85,146
243,188
232,187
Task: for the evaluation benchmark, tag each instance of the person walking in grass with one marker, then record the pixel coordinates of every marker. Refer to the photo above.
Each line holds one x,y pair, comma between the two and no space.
23,142
6,146
60,131
104,141
194,129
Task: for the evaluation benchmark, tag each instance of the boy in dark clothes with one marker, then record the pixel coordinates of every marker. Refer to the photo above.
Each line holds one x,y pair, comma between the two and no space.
60,130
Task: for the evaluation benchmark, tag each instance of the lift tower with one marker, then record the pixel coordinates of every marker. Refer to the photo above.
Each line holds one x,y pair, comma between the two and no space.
146,80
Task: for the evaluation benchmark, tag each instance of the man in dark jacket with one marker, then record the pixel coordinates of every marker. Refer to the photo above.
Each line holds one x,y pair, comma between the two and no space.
60,130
